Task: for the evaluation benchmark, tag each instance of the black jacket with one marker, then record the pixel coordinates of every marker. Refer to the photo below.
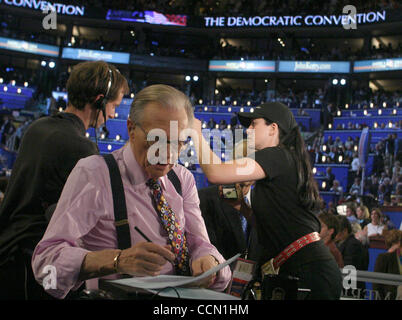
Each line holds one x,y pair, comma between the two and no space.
49,150
386,263
224,226
354,253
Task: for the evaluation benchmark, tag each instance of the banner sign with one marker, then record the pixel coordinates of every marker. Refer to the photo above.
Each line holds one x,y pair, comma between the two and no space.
296,21
29,47
315,66
377,65
242,66
151,17
87,54
59,8
147,61
364,145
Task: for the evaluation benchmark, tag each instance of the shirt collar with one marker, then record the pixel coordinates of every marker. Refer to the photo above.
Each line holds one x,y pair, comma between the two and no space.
136,174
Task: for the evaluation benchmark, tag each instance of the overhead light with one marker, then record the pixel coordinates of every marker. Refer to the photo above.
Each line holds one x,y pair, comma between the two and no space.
346,106
394,111
87,134
205,108
132,95
371,105
117,137
384,104
19,90
235,103
334,82
1,80
52,64
241,109
248,103
339,113
25,84
379,112
223,102
43,63
252,110
13,83
195,78
200,101
116,115
230,109
329,126
216,91
375,125
314,170
5,89
365,112
109,147
343,82
188,78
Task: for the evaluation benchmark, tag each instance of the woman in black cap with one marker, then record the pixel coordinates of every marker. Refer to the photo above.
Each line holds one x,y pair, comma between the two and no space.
285,198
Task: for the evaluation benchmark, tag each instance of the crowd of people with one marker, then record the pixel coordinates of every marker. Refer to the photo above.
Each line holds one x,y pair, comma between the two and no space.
385,182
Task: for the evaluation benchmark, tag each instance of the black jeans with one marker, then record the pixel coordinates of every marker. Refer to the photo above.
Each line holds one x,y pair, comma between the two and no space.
322,277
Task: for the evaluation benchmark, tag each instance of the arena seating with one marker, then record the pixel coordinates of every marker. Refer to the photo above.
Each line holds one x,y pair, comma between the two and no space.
14,97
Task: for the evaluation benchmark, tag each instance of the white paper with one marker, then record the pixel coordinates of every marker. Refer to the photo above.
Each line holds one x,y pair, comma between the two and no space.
164,281
192,293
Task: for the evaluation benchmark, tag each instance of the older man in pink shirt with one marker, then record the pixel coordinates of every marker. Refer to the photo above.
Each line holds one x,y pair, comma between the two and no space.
80,242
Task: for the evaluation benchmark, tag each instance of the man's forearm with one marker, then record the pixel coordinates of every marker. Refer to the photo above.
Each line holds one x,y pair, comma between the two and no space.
98,264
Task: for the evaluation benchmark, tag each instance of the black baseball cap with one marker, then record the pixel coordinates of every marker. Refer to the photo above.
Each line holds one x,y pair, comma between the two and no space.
272,111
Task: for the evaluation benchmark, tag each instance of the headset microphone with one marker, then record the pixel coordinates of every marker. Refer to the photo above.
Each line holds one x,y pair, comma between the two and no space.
100,105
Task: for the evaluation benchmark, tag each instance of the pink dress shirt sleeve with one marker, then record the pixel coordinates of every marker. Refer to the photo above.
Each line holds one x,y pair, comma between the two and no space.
76,214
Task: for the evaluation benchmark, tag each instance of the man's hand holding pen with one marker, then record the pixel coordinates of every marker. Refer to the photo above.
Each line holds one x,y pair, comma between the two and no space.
148,259
144,259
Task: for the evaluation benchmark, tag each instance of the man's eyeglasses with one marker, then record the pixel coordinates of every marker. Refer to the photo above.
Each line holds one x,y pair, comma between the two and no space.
179,144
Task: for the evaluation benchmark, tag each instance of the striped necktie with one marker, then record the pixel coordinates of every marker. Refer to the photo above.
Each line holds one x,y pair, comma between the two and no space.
177,237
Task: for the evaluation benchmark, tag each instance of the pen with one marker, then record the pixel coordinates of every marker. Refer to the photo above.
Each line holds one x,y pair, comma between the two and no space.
146,238
142,234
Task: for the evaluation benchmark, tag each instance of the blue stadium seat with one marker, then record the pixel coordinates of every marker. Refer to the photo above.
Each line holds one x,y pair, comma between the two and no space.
117,127
109,146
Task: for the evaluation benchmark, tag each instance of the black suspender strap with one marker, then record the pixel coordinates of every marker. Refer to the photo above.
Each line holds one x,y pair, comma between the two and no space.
174,179
119,200
119,203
